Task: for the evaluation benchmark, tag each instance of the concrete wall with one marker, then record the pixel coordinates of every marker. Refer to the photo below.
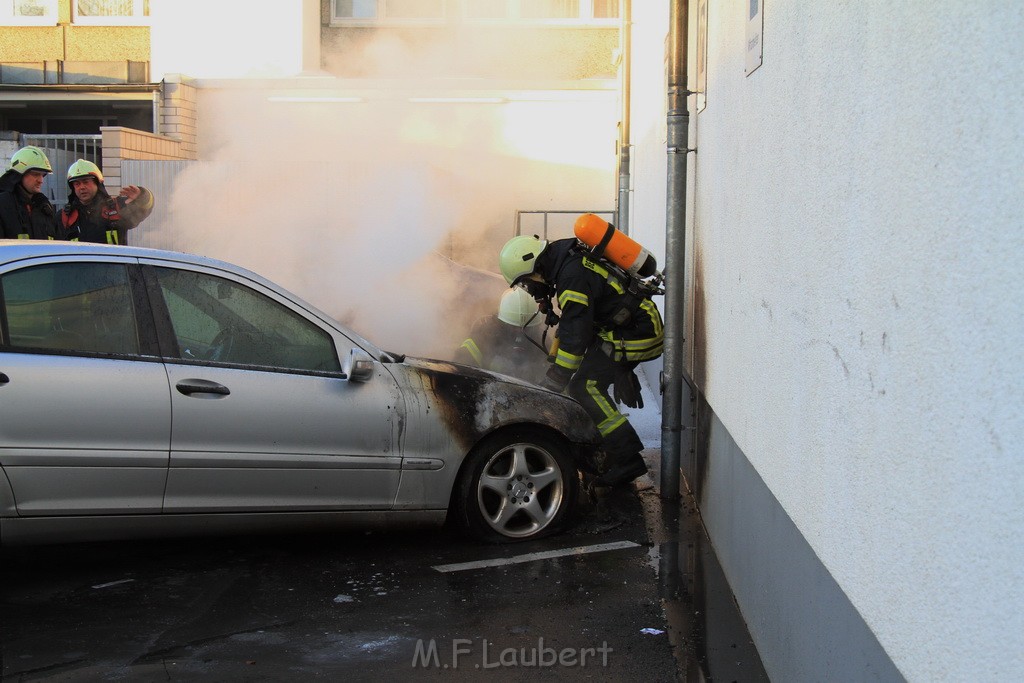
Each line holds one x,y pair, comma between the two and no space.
9,144
855,322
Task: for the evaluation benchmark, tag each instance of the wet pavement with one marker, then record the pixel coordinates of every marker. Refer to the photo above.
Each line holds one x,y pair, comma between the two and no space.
631,592
709,638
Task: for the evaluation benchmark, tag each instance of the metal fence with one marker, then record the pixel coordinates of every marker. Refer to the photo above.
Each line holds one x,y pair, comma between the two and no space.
62,151
553,225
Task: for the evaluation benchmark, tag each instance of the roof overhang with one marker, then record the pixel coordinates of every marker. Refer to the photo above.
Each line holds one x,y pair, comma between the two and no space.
42,94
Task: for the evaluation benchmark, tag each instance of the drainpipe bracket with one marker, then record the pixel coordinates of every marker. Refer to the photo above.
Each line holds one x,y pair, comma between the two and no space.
685,92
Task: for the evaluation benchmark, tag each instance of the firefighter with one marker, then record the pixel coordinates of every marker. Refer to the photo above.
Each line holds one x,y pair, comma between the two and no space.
605,331
92,215
25,212
503,342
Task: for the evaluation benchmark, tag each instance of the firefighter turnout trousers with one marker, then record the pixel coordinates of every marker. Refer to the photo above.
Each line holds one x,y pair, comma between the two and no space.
590,386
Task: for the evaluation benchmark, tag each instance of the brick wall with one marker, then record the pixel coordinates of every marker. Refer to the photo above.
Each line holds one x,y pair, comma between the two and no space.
178,112
175,142
126,143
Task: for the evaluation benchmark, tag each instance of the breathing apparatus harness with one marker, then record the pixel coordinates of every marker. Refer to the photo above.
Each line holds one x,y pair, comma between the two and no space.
636,290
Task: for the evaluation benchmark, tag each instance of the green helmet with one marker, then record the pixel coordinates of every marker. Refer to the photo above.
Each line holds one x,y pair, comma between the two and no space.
30,159
518,308
519,256
83,169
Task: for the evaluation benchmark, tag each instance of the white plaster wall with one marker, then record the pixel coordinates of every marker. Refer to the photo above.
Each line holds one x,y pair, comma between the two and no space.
859,225
648,173
647,127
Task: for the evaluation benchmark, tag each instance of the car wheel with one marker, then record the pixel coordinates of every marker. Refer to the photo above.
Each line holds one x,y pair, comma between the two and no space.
516,486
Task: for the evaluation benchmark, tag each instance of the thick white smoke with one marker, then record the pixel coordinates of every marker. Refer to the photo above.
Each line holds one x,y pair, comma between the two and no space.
387,213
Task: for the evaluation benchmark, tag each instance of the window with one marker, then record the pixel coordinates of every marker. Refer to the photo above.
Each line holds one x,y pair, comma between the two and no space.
110,12
219,320
542,10
28,12
606,9
389,9
70,307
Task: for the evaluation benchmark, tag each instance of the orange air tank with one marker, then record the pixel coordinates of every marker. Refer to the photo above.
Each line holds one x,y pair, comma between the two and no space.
606,241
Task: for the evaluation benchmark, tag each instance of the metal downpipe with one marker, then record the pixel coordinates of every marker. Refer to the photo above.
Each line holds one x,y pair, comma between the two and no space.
625,143
678,125
157,97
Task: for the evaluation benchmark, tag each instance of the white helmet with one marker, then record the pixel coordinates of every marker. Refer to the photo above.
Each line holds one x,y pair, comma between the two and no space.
518,257
518,308
83,168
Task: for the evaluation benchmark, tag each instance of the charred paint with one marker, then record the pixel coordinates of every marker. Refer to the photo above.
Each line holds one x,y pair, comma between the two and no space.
474,402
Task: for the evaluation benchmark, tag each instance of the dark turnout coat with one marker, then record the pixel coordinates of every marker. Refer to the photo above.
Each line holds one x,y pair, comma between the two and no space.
103,219
595,304
25,216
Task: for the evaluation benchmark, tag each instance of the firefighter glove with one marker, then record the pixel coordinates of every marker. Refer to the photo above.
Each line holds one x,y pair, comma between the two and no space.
627,389
556,378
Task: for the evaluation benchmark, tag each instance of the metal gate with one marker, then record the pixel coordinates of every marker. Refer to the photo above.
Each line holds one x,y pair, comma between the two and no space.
62,151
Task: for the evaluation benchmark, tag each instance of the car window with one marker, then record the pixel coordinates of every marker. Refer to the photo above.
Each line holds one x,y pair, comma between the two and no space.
74,307
220,320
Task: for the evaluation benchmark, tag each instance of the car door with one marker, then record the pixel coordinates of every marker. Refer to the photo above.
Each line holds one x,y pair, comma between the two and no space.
264,419
85,414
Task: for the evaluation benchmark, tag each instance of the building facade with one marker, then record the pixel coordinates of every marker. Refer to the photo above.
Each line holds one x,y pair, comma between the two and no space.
94,55
853,313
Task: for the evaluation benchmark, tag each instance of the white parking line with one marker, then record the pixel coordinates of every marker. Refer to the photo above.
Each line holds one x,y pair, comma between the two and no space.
113,583
531,557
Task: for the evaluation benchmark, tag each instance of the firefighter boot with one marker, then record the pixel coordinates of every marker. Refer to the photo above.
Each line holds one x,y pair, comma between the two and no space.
623,470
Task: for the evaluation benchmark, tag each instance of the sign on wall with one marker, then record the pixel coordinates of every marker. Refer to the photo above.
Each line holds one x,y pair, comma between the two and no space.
755,27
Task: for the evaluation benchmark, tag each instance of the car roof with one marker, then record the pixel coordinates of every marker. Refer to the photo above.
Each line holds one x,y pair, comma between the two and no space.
15,250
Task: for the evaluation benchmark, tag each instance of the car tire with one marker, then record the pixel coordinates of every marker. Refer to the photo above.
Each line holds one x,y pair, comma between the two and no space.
516,485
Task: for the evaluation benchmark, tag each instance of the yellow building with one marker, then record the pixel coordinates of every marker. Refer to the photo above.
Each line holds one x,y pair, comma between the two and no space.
71,66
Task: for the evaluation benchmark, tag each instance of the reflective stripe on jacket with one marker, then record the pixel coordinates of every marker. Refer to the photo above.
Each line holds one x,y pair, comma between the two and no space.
595,302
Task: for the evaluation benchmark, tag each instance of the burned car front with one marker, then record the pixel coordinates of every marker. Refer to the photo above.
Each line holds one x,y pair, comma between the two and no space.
502,455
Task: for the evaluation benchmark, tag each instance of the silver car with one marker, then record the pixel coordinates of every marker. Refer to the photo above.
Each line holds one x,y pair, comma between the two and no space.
149,393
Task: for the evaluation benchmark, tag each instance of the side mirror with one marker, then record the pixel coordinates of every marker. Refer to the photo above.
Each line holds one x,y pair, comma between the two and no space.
358,366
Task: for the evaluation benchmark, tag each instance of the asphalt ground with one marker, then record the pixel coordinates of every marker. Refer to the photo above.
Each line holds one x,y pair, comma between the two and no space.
632,592
400,605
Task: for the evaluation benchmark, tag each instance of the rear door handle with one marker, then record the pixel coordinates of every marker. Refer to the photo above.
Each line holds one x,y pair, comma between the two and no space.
201,386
